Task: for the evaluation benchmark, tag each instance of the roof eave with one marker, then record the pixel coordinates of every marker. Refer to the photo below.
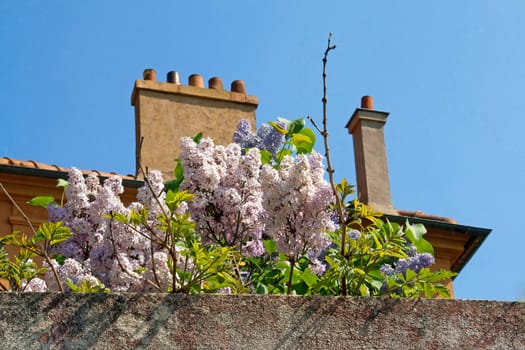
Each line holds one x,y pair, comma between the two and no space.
476,235
58,174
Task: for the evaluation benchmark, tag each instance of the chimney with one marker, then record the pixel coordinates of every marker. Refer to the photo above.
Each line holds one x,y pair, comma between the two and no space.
165,112
373,185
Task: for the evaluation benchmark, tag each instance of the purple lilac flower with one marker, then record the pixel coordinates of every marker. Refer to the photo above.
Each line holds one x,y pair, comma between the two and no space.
387,269
412,250
416,262
265,138
317,267
56,213
271,139
354,234
244,135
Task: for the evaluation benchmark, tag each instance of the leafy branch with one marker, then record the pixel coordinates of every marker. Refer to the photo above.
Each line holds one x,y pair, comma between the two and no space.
47,235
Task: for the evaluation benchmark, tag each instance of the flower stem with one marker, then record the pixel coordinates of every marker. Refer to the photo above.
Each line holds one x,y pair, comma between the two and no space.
289,284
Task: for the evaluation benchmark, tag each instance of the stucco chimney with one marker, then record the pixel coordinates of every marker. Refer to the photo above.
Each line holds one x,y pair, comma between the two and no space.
373,185
165,112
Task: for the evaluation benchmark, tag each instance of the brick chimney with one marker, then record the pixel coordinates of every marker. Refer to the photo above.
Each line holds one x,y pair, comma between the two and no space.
165,112
373,185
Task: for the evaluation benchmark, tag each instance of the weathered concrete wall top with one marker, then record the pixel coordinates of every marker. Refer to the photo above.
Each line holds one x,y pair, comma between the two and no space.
162,321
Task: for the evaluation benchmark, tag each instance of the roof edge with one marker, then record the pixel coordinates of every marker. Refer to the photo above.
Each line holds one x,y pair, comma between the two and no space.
477,235
127,181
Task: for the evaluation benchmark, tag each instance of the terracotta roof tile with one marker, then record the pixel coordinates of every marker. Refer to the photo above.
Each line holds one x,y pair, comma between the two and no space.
53,167
420,214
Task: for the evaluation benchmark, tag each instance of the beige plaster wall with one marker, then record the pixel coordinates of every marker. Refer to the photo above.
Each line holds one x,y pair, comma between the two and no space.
166,112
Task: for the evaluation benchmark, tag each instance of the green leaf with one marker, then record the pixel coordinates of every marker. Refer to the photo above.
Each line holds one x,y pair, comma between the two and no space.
309,277
428,290
376,283
278,128
266,156
53,232
298,138
179,170
424,246
270,245
359,271
41,201
410,275
285,265
173,185
87,287
364,291
262,289
309,133
62,183
118,217
296,126
59,259
11,239
300,288
415,232
197,138
174,199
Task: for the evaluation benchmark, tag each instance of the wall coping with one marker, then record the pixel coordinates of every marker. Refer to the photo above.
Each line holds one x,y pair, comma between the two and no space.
177,321
192,91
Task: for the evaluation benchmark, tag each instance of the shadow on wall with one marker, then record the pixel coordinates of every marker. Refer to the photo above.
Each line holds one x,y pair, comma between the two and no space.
128,321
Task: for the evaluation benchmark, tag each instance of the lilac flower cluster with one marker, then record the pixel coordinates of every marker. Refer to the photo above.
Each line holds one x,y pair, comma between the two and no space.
296,201
415,262
227,207
265,138
102,249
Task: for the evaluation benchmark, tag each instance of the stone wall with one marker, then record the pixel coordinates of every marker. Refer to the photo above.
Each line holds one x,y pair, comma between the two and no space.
162,321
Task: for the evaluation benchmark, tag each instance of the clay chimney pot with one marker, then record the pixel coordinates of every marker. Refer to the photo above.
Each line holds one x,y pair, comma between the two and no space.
215,83
149,74
367,102
196,80
238,86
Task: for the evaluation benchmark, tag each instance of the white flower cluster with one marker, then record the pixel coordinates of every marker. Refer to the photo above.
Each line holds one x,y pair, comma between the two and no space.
296,203
101,248
227,208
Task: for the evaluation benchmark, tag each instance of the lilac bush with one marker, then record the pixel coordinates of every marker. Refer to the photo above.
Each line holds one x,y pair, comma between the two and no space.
237,222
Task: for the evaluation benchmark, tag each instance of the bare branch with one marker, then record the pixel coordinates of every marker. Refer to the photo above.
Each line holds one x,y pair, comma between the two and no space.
26,218
330,169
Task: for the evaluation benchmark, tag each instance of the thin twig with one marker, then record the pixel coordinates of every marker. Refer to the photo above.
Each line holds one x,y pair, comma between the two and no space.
153,268
28,221
115,252
26,218
314,124
329,167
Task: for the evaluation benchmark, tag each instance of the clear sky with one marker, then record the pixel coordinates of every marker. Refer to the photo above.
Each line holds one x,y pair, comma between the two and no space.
451,73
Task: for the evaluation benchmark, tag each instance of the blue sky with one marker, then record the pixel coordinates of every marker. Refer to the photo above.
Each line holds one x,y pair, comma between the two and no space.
451,74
